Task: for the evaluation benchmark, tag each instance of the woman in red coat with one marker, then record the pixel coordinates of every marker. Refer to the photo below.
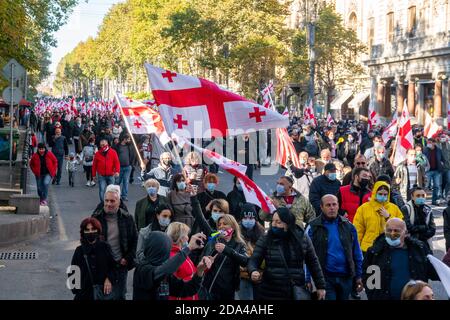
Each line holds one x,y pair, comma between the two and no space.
179,233
43,164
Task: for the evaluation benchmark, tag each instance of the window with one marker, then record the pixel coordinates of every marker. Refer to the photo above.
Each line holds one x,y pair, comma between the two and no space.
371,33
412,21
390,26
353,22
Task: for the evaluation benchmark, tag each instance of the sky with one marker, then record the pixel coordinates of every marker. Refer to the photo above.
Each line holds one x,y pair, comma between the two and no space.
83,23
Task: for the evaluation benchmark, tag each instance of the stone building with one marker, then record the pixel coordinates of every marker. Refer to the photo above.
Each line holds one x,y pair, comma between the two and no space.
408,57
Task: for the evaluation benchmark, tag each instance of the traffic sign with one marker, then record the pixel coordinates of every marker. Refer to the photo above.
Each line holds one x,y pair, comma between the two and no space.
19,70
17,95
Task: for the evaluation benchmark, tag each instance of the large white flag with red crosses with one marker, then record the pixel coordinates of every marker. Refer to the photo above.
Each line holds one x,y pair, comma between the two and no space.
253,194
373,118
204,109
405,138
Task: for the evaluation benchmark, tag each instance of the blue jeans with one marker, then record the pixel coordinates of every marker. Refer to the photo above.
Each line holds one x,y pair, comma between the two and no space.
124,180
245,290
435,177
103,182
338,288
42,186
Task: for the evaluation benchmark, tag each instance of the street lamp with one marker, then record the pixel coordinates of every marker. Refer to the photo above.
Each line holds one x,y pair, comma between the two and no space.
310,16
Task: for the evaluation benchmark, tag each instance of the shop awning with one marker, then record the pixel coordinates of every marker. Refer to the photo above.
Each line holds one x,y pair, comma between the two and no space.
341,99
358,100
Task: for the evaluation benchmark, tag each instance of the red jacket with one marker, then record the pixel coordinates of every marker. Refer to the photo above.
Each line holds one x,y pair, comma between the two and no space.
350,201
106,165
185,272
50,161
34,141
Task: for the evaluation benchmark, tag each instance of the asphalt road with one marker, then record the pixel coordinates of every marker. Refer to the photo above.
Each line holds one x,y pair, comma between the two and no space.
45,277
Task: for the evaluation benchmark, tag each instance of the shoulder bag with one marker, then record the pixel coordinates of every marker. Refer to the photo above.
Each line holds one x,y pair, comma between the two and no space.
97,289
298,292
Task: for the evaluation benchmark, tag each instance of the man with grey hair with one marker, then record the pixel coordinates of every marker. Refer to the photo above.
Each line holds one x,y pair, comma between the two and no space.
380,164
163,173
397,259
119,230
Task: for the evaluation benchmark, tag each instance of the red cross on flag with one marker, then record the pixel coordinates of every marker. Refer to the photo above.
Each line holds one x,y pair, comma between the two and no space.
140,118
308,114
330,120
391,130
405,138
253,193
202,109
431,128
373,118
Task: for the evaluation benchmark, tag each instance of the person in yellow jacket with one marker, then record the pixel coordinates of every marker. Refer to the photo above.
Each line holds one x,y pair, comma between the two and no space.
371,217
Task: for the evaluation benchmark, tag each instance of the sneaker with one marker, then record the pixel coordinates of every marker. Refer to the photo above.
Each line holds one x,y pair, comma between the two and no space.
44,203
41,203
88,184
92,183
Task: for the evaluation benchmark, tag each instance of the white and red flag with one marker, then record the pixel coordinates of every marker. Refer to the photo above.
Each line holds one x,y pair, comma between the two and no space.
285,112
204,109
286,149
267,96
391,130
373,118
330,120
308,114
253,194
405,137
431,128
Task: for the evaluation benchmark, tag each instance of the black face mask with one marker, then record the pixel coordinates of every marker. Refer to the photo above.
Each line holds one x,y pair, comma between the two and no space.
364,183
91,237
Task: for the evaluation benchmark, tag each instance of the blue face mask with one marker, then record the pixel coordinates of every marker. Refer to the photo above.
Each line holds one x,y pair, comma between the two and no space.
164,222
216,216
381,198
393,243
239,187
332,176
280,188
211,187
278,232
248,223
152,191
181,185
419,201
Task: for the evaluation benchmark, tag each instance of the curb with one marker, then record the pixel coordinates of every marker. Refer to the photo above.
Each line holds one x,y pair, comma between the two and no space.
16,228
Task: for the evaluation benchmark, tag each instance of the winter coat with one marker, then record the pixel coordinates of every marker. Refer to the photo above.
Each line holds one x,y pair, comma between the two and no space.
420,222
127,234
301,208
350,198
380,254
102,266
446,216
439,158
227,268
105,163
404,186
276,282
50,161
236,200
378,168
145,211
60,148
368,222
321,186
180,203
185,272
143,234
87,154
199,172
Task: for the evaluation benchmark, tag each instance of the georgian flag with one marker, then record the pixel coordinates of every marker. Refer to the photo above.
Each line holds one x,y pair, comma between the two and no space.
373,118
253,194
391,130
431,128
198,108
405,138
308,114
330,120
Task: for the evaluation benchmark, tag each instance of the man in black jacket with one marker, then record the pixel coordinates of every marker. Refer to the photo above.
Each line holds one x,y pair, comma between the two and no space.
126,158
379,164
446,216
119,230
337,247
322,185
393,260
236,199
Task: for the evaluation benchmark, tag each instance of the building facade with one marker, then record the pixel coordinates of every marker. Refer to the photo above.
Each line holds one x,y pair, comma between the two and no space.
408,56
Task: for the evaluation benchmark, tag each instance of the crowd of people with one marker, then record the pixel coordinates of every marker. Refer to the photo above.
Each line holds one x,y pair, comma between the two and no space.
345,209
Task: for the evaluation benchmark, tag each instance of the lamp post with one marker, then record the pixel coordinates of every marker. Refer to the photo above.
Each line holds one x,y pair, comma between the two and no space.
310,16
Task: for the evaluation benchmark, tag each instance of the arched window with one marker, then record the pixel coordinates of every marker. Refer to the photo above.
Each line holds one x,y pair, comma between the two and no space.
353,22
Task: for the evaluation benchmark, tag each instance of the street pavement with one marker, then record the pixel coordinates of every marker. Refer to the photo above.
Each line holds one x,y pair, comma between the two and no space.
45,278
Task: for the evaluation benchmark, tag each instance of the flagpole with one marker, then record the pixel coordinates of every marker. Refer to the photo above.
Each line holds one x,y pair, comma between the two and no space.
129,131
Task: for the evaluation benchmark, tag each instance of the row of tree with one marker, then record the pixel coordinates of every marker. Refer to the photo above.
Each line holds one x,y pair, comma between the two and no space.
238,43
26,34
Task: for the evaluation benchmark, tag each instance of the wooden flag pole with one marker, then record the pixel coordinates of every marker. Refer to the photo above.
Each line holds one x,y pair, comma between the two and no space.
142,164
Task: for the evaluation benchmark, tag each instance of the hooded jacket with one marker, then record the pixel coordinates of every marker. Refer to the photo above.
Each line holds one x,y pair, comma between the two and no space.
368,222
419,221
157,269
